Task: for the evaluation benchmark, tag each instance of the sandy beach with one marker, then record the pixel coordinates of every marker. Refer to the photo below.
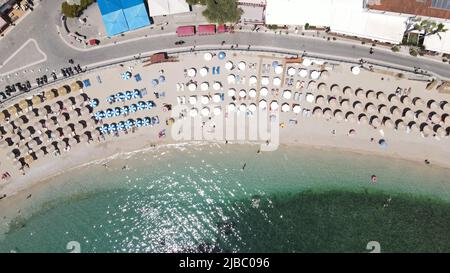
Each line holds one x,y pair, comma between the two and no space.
375,112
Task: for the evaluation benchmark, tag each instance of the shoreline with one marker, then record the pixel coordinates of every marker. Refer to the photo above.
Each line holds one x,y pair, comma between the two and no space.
152,149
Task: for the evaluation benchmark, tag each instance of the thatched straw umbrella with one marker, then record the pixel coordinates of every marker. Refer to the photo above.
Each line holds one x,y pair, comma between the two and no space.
24,106
7,127
375,121
418,102
18,122
358,106
381,97
350,116
64,90
12,110
335,89
360,94
327,113
370,95
36,100
400,125
2,117
338,115
28,159
49,95
79,99
387,122
317,112
322,87
363,119
320,100
370,108
348,91
76,86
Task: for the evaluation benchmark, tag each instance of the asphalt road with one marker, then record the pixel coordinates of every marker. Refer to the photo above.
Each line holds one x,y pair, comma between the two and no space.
41,26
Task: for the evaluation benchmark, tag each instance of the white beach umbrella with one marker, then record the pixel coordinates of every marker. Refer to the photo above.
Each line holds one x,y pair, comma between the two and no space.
408,114
310,98
413,127
192,72
192,87
278,69
396,112
356,70
327,113
242,66
217,86
243,107
291,71
375,121
315,75
433,105
381,97
252,93
406,100
231,92
287,94
303,73
193,100
418,102
274,105
426,129
207,56
242,93
394,99
387,122
217,98
265,80
231,79
338,115
440,131
446,119
434,117
348,91
204,71
263,92
335,89
204,86
205,111
345,104
370,108
360,94
322,87
320,100
231,107
262,104
445,106
252,80
307,62
204,100
217,111
285,107
350,116
384,110
277,81
333,102
229,65
297,109
400,125
421,116
317,112
252,107
370,95
363,119
193,112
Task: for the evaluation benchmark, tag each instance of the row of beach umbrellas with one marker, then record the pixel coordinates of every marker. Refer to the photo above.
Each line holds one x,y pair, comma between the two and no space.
124,110
124,96
128,124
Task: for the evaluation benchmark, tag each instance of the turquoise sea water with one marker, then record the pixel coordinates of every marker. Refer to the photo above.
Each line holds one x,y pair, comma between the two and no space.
199,198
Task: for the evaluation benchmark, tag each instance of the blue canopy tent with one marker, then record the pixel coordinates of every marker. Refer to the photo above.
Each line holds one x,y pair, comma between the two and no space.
135,13
113,16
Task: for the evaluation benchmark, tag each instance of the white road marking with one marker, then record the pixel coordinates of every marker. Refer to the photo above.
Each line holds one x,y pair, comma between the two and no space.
44,59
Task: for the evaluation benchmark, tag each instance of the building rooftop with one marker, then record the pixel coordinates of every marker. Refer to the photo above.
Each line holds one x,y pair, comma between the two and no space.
429,8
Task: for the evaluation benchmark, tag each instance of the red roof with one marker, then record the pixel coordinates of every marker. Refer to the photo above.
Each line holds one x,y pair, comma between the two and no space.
185,31
206,29
222,29
93,42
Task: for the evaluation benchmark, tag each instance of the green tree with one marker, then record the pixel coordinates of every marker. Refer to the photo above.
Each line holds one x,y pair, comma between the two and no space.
75,10
222,11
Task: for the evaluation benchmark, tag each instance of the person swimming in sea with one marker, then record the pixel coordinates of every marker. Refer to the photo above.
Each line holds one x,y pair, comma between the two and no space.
243,167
